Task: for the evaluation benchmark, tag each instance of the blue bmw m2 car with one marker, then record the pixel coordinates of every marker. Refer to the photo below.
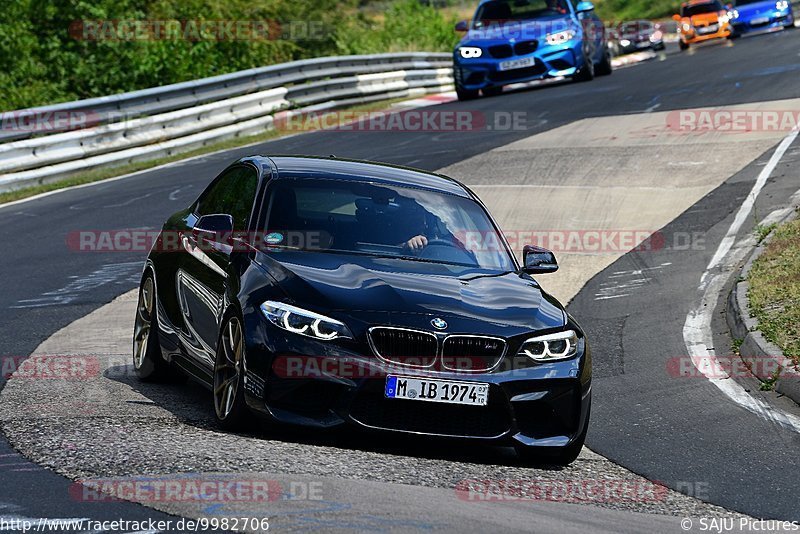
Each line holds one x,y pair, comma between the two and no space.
755,15
511,41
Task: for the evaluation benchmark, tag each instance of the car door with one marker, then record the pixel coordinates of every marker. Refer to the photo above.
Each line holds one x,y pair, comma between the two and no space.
202,276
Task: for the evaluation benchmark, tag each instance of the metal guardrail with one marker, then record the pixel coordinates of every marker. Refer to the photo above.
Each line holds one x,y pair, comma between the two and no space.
162,121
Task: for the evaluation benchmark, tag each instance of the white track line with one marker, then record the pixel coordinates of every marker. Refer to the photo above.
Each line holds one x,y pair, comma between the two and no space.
697,329
747,205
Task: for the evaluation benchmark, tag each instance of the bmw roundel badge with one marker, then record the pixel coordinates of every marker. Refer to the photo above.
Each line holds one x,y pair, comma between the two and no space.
439,323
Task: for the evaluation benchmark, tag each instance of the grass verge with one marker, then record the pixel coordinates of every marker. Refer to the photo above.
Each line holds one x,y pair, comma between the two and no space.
774,292
104,173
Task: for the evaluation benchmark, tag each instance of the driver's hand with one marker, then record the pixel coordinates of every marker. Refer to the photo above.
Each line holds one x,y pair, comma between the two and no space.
418,242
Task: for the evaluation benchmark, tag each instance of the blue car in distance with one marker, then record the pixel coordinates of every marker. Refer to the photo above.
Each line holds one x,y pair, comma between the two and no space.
512,41
757,15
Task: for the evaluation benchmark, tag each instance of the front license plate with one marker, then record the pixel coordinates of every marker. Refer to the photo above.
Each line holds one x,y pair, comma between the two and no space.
517,63
759,21
707,29
425,389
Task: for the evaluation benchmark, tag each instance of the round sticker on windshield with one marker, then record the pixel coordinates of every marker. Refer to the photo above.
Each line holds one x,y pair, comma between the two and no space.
273,238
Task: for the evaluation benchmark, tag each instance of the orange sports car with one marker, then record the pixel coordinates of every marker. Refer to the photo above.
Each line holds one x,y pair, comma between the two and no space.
701,20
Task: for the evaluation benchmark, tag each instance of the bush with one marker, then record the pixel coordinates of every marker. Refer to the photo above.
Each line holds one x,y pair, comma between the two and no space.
620,10
407,25
40,62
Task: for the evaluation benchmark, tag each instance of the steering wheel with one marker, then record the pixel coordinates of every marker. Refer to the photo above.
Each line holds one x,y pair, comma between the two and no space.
444,249
440,242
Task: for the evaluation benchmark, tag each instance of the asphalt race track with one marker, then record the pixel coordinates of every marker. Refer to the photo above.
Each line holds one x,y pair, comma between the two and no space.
683,432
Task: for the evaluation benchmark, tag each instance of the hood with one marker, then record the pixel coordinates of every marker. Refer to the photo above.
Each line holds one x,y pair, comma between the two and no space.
756,8
705,19
411,293
636,36
516,31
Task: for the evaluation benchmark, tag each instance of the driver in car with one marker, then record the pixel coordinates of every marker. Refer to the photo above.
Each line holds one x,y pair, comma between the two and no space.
416,221
418,242
425,226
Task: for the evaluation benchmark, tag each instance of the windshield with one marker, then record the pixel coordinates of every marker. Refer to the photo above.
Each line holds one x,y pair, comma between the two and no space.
384,221
635,27
699,9
518,10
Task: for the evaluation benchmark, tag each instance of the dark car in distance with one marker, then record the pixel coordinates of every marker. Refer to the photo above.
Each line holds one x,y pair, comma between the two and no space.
327,292
636,35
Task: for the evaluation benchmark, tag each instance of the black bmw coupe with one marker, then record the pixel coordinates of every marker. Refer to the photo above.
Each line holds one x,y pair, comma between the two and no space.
326,292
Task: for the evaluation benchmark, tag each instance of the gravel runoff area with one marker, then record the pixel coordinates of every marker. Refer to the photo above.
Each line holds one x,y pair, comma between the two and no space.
101,423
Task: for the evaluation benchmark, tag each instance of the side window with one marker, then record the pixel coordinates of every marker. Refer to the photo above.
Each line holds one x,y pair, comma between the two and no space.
233,193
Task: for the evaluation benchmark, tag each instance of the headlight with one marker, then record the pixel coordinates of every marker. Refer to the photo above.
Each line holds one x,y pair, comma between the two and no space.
468,52
624,42
686,27
560,37
558,346
656,36
781,5
724,19
734,14
304,322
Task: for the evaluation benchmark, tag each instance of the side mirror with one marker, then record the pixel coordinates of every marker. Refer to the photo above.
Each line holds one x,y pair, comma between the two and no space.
676,18
211,226
461,26
538,260
584,7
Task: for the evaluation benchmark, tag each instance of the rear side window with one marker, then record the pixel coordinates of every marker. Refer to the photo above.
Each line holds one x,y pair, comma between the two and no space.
233,194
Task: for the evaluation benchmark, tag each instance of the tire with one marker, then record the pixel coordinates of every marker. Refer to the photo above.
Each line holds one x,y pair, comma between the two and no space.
682,45
556,456
466,94
147,360
604,68
586,72
230,408
492,91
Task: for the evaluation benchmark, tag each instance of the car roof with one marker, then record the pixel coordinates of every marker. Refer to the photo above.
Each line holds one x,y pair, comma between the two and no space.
697,2
287,167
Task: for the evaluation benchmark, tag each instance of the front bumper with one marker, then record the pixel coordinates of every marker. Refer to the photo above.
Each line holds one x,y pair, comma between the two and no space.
692,36
300,381
550,62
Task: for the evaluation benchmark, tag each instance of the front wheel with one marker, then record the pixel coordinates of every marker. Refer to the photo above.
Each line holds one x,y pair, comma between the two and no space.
466,94
147,360
229,403
586,72
604,68
682,45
